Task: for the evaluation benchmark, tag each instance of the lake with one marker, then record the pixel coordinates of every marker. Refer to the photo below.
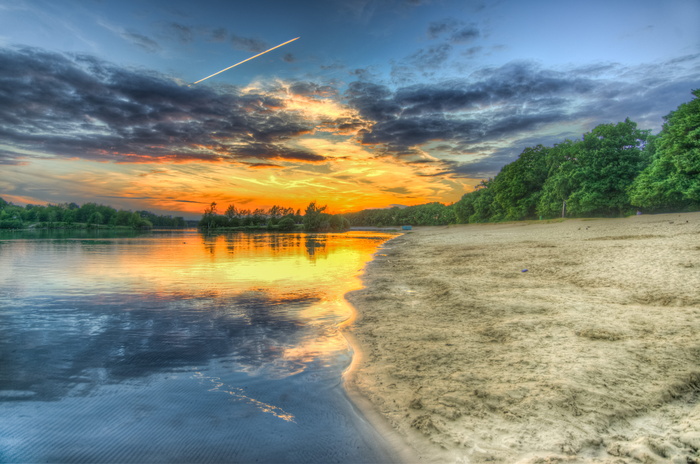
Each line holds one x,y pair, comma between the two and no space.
174,346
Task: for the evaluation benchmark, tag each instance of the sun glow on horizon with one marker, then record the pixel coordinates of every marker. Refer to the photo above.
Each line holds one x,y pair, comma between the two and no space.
351,179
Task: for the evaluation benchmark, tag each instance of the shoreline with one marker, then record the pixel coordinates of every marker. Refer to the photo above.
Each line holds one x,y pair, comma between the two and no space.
401,452
572,341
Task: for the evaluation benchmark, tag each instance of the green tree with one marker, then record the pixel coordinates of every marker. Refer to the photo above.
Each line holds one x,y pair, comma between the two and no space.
315,219
95,218
209,216
610,159
286,224
518,186
464,208
562,162
338,223
672,180
593,175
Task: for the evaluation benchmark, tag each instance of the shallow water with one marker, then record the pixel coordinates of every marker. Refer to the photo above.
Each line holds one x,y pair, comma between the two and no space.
178,347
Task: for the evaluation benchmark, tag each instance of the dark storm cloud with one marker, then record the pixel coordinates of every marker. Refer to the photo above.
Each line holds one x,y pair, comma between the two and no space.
84,107
274,151
374,101
307,88
402,133
507,103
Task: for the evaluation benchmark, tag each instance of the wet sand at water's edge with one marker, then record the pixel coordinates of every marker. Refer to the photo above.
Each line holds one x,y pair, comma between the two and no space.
535,342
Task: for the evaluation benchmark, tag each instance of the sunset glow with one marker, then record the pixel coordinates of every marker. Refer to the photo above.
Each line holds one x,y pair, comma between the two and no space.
378,105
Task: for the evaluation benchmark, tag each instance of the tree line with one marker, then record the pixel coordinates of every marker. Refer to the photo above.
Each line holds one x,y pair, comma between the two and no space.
614,170
280,218
429,214
89,215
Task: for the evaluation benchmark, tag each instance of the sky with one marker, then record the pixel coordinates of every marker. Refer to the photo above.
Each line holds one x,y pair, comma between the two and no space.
378,103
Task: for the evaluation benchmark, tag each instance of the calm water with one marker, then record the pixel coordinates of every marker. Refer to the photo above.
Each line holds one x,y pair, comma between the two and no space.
175,347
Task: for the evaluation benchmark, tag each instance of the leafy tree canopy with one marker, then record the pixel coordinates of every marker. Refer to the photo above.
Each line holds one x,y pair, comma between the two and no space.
672,180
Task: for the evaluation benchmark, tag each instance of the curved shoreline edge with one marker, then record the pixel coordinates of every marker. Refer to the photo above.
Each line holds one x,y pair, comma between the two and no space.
573,341
394,443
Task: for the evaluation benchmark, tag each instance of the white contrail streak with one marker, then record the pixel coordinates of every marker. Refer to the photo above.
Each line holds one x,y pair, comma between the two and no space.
247,59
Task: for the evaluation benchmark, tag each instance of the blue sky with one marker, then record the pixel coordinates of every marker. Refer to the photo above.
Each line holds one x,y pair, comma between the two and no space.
378,103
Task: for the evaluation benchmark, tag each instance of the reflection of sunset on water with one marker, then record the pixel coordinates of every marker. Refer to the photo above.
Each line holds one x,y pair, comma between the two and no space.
227,341
298,278
227,263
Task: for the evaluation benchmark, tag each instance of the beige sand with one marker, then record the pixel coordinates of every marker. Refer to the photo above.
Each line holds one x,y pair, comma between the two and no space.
591,356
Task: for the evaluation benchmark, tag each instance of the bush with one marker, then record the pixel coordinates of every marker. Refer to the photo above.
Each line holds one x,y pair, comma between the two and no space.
286,224
11,224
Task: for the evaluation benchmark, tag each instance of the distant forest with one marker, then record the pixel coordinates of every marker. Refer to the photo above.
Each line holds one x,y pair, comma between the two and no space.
614,170
72,216
279,218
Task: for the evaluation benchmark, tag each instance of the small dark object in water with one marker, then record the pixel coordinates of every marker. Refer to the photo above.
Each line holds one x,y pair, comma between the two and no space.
524,270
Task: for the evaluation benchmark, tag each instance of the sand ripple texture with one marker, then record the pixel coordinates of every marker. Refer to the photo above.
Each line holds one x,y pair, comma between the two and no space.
575,341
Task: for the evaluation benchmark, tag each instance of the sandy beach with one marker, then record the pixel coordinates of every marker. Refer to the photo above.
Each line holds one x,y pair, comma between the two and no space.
536,342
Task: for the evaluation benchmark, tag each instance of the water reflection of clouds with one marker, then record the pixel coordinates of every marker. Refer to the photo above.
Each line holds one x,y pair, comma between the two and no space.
78,313
127,336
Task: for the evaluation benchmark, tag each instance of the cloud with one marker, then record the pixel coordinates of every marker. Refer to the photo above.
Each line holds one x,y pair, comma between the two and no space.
249,44
11,158
308,88
453,30
218,35
472,51
431,58
437,58
179,32
264,166
374,101
82,107
437,29
279,152
130,35
146,43
398,190
465,34
501,105
78,106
